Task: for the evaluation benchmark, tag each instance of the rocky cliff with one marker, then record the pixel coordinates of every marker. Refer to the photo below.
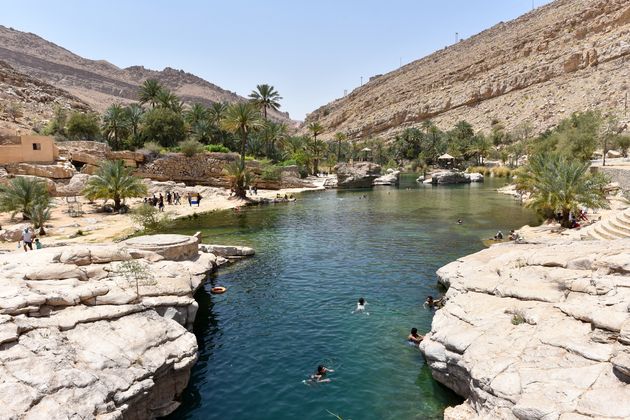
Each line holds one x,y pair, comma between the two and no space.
26,102
570,55
536,331
98,82
99,331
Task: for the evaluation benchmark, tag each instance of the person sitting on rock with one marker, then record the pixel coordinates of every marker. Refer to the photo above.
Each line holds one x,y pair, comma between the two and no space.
498,236
513,235
434,303
415,338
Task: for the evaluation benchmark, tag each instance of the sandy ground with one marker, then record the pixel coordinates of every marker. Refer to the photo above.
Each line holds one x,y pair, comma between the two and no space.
103,227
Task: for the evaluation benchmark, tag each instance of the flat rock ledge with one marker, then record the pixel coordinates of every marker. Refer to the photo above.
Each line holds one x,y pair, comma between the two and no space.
536,331
99,331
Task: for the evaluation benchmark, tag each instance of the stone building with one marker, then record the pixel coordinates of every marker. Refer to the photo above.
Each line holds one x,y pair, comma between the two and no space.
31,149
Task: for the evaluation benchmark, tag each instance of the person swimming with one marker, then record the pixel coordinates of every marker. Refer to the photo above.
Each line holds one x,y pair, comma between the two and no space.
434,303
415,338
460,221
361,306
320,375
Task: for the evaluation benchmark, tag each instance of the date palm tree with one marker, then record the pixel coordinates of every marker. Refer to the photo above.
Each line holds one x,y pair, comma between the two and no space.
149,92
340,138
114,180
316,149
240,177
115,125
134,117
39,215
167,99
560,186
196,113
265,97
22,194
242,119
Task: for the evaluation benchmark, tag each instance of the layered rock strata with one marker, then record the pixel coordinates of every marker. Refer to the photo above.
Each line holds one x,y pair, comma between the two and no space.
536,331
567,56
99,331
357,174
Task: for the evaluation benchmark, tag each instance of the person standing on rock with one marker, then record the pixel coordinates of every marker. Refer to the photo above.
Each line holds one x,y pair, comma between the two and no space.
161,203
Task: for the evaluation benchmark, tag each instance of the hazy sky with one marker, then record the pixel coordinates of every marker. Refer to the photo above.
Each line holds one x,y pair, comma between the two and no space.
311,51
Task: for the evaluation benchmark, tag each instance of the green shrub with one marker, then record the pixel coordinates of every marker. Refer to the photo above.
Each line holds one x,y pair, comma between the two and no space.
217,148
271,173
484,170
152,147
150,219
191,147
501,172
517,319
290,162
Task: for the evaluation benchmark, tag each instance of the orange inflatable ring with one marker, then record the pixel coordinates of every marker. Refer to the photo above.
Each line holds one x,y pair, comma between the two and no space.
218,290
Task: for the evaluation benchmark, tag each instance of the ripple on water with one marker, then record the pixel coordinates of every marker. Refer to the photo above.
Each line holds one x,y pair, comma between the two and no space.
289,308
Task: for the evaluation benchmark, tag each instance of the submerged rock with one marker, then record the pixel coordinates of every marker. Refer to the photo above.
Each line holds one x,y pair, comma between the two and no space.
99,331
536,331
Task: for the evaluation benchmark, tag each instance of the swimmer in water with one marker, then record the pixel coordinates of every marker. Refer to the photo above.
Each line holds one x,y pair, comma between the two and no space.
320,375
460,221
415,338
361,306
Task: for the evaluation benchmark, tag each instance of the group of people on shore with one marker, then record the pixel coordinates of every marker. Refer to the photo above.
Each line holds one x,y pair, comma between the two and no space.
173,198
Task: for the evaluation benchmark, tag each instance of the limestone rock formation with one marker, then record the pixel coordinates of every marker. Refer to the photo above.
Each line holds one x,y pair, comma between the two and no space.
391,177
99,331
357,174
536,331
450,177
567,56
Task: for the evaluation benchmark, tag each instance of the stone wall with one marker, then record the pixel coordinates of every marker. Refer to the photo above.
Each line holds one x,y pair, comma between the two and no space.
616,174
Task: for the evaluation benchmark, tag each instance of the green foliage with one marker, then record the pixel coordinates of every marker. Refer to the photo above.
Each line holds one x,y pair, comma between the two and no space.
39,214
136,274
622,143
57,125
150,219
13,111
501,172
191,147
82,126
240,177
153,148
560,185
114,181
164,126
23,194
242,119
265,97
149,92
517,319
217,148
116,125
271,173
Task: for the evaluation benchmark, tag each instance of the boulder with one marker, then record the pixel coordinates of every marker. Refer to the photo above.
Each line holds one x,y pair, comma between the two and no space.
356,175
74,187
449,177
392,177
475,177
56,171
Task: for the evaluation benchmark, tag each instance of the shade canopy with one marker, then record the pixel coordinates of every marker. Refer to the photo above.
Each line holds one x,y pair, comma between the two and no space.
446,156
366,149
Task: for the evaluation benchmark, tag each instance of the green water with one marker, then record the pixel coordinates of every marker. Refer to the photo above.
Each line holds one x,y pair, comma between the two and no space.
289,308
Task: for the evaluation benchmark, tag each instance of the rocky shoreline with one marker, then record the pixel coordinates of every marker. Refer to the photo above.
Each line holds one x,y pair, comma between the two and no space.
101,331
536,331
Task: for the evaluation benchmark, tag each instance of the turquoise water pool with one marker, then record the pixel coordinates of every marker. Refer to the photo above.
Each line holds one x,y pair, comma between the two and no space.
289,308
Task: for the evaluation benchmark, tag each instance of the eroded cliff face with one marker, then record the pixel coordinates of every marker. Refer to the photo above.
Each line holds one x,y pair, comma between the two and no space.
536,331
570,55
99,331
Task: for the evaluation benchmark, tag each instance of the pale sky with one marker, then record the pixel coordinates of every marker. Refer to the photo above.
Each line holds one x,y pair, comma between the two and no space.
310,50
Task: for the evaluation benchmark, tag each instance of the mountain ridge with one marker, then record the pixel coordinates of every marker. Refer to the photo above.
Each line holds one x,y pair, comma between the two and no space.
538,67
98,82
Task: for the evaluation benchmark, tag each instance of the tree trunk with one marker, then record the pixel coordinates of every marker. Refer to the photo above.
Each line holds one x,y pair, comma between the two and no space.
116,203
565,222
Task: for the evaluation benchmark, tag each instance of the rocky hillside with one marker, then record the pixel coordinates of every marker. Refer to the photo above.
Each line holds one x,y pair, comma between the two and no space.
100,83
567,56
26,102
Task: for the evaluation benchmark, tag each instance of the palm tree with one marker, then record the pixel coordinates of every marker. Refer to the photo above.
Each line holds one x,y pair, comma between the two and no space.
340,138
560,186
39,215
115,125
316,148
113,180
167,99
241,119
202,131
240,177
316,129
273,135
149,92
134,117
196,113
22,194
266,97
